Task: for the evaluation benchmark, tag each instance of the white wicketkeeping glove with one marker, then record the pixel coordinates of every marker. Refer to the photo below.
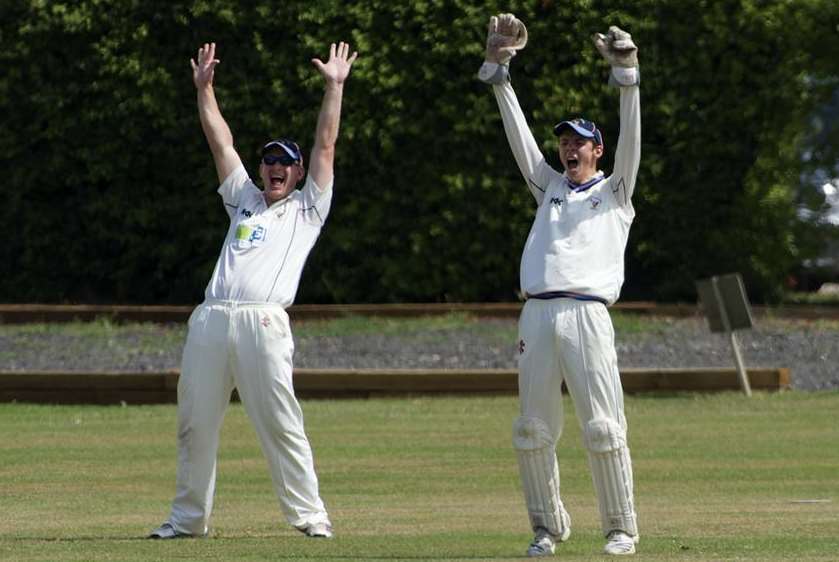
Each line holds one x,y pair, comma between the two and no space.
617,48
505,36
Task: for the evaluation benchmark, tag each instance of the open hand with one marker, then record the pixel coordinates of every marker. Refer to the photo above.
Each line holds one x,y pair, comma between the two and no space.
204,70
337,68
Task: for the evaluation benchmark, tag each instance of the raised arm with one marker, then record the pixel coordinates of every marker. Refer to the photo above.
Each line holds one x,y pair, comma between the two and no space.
506,34
215,127
334,71
621,53
532,164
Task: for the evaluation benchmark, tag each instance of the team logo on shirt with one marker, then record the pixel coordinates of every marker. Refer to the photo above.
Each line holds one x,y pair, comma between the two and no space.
557,201
595,202
246,213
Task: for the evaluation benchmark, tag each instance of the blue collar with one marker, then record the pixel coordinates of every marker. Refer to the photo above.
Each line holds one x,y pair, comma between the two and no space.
584,186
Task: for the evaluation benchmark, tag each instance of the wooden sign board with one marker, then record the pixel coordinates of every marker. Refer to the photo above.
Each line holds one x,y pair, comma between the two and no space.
724,300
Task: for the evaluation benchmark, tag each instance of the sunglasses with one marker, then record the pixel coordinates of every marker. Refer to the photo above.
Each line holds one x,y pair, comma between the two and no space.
284,159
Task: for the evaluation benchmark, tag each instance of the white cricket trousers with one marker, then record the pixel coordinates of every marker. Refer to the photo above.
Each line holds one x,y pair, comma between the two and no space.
573,341
247,346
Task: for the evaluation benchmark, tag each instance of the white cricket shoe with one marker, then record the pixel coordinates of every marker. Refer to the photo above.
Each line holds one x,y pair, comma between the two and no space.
543,544
619,543
322,530
167,531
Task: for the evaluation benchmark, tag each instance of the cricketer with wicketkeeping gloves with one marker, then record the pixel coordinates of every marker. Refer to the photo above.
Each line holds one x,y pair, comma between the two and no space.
572,269
240,337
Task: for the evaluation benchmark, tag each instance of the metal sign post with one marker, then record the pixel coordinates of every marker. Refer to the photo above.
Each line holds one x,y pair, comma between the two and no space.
726,305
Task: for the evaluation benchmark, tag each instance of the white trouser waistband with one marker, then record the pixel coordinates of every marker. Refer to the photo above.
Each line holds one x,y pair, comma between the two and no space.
242,304
233,305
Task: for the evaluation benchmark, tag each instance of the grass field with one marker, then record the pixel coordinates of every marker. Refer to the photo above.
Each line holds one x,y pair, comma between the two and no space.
718,477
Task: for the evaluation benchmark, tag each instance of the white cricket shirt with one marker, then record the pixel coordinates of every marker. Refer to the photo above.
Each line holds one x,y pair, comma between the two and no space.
266,247
578,237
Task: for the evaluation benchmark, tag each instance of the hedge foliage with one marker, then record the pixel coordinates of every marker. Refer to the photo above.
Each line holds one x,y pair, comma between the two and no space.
109,188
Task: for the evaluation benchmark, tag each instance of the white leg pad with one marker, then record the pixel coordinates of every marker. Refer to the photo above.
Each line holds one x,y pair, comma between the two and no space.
539,471
611,472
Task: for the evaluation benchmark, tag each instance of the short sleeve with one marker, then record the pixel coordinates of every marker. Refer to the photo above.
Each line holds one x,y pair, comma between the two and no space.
232,187
317,200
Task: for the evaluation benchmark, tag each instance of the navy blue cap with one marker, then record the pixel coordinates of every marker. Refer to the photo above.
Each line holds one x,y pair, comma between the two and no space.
288,146
582,127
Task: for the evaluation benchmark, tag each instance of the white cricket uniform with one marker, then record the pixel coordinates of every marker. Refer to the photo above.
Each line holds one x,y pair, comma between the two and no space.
575,246
240,337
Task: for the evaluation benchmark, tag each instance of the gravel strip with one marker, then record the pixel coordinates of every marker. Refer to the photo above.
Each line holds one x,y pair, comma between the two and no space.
809,350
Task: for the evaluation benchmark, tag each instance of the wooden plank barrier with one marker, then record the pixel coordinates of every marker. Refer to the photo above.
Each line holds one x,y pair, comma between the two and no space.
28,313
52,387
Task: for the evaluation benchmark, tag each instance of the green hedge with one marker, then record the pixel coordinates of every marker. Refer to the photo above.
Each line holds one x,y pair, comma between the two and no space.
109,191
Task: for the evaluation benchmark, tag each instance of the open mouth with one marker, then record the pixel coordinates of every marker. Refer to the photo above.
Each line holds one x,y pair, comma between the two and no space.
277,181
573,163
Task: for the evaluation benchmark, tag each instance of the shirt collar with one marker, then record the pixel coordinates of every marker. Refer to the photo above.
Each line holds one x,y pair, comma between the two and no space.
585,185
